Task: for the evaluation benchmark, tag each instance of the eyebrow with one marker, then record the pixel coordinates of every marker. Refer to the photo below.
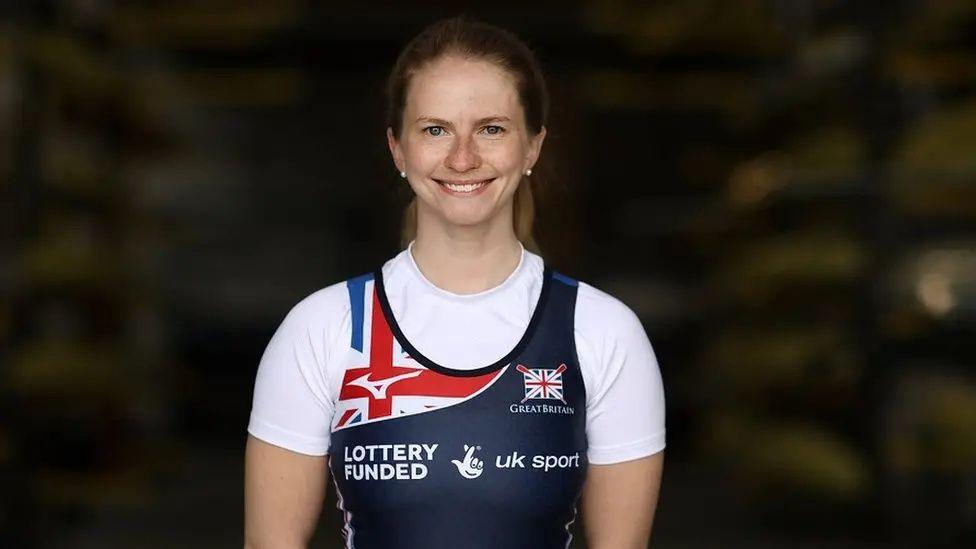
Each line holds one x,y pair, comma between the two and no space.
478,122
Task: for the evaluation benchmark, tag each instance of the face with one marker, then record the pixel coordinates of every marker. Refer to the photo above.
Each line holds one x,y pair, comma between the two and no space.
463,143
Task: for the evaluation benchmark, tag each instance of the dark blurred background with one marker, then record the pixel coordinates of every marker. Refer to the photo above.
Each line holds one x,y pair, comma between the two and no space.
785,191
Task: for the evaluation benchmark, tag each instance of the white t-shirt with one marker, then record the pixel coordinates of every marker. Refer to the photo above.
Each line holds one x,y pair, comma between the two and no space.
297,384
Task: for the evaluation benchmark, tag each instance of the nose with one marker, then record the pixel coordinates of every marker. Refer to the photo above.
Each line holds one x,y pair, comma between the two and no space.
464,155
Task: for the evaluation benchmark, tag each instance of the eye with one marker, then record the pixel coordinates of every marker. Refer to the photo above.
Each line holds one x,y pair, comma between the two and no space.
434,131
494,130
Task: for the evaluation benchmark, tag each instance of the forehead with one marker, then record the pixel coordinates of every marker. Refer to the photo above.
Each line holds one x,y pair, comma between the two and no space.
453,86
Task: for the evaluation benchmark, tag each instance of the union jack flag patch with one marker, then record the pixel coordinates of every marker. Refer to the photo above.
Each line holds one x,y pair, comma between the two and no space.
543,383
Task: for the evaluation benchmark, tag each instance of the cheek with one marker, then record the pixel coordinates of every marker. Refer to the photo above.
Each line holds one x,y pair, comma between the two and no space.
504,156
425,157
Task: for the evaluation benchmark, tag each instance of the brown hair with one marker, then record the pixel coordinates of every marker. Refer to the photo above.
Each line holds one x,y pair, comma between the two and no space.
473,39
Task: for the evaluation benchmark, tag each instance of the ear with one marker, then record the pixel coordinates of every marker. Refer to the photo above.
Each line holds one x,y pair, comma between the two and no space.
395,151
535,147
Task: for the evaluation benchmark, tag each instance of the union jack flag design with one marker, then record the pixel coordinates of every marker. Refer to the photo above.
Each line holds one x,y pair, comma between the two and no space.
391,383
544,383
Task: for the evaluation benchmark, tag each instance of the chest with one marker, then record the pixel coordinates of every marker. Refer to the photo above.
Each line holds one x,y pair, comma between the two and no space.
406,435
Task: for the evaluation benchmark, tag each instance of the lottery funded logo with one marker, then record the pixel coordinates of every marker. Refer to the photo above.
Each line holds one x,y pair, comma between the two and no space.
469,466
387,461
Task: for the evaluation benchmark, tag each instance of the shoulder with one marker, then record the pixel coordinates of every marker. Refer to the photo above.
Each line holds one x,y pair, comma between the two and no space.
602,316
326,306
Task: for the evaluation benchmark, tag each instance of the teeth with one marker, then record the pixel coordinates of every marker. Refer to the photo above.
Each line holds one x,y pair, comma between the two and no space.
465,188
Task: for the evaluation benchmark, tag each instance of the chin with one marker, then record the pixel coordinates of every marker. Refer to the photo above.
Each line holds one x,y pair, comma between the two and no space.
466,220
468,217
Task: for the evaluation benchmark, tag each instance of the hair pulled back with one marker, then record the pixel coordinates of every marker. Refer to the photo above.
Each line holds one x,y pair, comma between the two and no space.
475,40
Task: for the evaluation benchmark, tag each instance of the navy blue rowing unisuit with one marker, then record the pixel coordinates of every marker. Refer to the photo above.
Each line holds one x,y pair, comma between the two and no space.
427,456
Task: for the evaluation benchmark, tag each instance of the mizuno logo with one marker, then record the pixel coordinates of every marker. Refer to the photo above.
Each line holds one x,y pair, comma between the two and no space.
378,388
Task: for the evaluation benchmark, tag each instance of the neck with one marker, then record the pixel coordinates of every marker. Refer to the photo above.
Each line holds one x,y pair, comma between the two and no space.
466,260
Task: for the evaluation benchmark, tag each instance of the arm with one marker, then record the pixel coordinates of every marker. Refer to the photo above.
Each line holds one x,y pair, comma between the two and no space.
625,428
285,462
283,493
619,501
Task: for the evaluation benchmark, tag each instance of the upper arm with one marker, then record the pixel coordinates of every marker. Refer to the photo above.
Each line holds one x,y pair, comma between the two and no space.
292,406
625,394
619,501
283,494
286,467
625,425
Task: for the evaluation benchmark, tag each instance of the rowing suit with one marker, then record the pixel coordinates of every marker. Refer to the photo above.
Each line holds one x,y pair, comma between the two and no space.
460,420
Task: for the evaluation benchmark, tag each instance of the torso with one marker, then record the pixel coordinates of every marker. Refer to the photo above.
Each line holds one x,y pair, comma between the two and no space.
426,454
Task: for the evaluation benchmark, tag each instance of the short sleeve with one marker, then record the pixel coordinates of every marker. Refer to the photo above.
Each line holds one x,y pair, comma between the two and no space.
625,392
291,407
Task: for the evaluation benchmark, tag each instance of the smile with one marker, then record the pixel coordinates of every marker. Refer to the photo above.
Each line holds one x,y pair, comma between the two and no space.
463,188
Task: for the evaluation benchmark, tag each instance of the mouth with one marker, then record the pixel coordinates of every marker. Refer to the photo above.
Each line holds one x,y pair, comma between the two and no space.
464,188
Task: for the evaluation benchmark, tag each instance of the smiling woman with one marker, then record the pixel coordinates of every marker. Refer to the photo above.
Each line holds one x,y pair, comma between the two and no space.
464,394
464,144
516,114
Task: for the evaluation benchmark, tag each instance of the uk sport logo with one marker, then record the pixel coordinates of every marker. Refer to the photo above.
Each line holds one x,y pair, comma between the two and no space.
543,383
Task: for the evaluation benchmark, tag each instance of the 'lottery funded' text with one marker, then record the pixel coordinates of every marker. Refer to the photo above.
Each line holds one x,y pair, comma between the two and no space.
387,461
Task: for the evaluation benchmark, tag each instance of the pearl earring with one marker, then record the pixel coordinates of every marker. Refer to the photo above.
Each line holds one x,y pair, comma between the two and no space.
528,171
403,174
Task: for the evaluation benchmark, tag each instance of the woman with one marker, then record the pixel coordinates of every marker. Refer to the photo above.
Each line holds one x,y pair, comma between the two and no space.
463,395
